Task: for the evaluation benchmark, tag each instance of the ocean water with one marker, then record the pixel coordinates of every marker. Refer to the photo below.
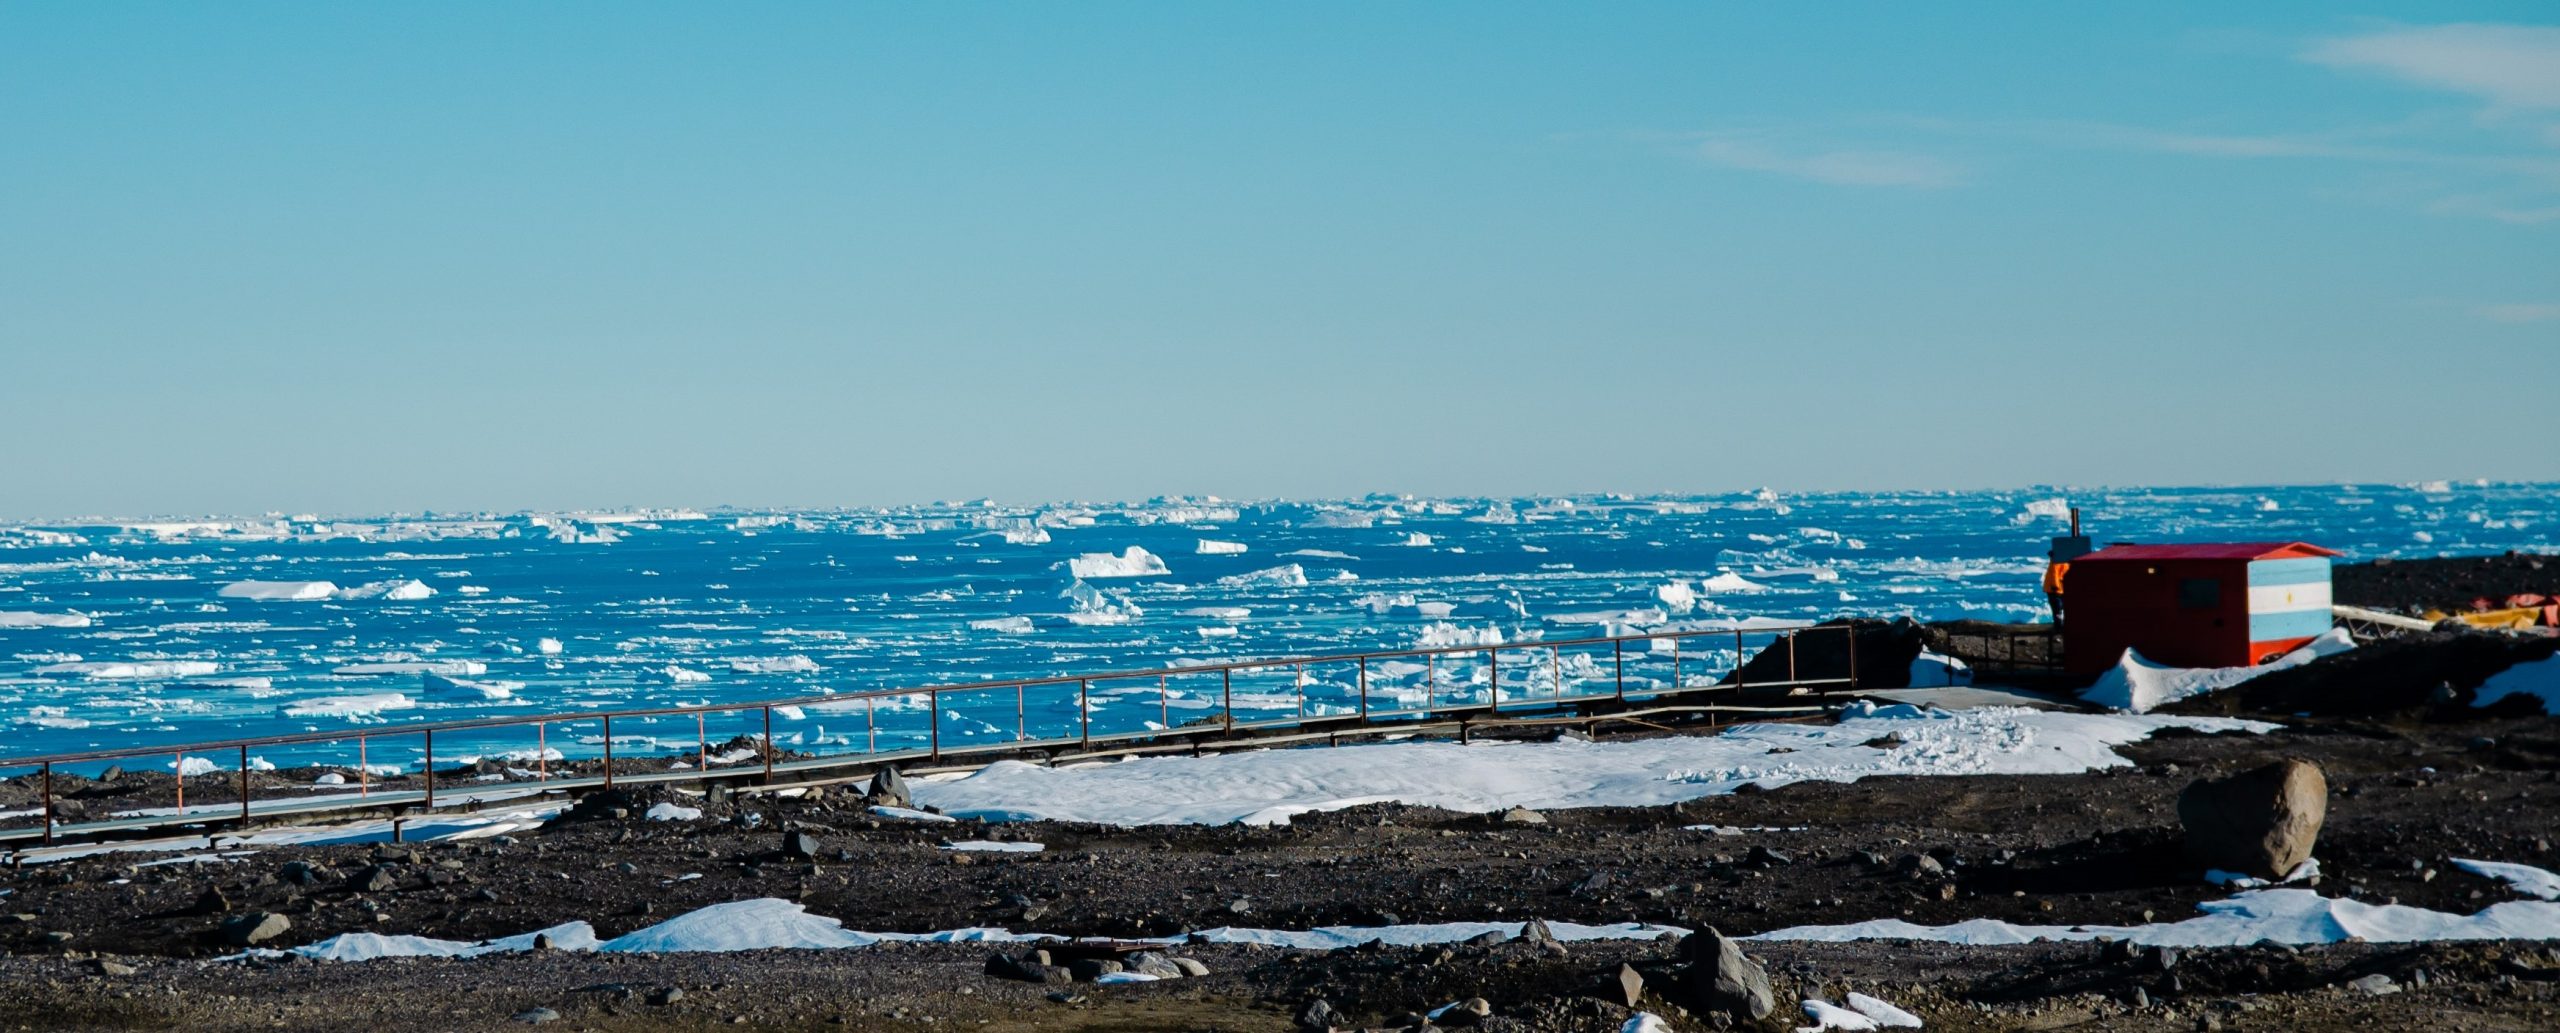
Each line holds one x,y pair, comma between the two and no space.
115,635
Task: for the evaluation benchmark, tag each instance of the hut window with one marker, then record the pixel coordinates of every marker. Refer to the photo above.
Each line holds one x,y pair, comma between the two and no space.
2200,593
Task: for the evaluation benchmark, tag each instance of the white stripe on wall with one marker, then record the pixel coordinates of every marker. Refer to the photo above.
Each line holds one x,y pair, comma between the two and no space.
2281,598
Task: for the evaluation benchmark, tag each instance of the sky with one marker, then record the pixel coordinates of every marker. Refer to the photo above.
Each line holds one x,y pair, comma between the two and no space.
371,258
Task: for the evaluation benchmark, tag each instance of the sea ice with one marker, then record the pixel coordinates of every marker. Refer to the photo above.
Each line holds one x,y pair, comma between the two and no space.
1132,562
24,619
350,707
279,591
1285,576
1214,548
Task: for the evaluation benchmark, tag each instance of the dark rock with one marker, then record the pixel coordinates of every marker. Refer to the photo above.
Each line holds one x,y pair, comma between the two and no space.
1486,939
1150,963
254,927
1086,970
1535,933
1921,864
1470,1012
299,873
1719,978
210,902
665,995
112,773
110,967
375,879
1190,967
800,846
889,789
1768,858
2262,822
1318,1016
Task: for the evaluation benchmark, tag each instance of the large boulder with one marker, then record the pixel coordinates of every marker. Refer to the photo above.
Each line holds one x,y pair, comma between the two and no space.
1718,978
2261,822
888,789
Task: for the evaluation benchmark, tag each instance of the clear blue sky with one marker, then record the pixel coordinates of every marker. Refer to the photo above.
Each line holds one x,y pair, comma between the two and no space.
354,258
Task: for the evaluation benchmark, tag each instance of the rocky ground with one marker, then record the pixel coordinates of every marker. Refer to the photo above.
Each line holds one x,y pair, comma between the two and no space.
103,942
2449,584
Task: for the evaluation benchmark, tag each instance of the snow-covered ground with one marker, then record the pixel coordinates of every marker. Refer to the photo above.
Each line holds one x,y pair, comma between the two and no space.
2285,916
1270,786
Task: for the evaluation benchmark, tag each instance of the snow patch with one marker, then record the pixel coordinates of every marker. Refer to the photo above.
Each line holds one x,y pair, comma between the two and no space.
2141,686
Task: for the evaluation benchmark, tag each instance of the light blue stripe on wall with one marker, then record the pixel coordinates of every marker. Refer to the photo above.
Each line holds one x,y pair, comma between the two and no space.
2268,627
2289,572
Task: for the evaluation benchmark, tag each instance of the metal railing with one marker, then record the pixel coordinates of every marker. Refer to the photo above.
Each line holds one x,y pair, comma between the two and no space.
1360,712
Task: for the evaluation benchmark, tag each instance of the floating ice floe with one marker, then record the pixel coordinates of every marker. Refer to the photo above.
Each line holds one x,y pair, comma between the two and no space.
279,591
1730,583
449,668
350,707
1217,548
2141,686
129,670
1677,597
1131,562
674,675
793,664
395,591
1005,625
22,619
1271,786
1288,575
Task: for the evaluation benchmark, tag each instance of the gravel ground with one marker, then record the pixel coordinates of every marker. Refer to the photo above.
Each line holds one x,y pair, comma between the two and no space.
2099,847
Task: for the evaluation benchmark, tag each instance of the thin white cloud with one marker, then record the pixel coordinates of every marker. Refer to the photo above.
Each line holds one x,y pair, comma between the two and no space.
2509,66
2538,312
1861,168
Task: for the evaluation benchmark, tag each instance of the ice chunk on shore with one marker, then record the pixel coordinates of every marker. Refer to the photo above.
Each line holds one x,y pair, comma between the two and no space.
1131,562
24,619
279,591
1210,548
2537,680
2139,685
761,924
350,707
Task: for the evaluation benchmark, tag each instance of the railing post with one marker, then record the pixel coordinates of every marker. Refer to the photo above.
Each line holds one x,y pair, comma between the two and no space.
1364,690
48,803
768,742
1739,662
933,715
1555,671
608,751
870,724
364,770
1792,678
1853,659
1492,681
182,783
1298,684
431,769
1618,660
1021,713
244,783
701,741
1227,690
1676,684
542,751
1164,704
1084,712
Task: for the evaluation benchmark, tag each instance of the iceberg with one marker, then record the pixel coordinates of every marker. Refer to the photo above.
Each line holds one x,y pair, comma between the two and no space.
1730,583
1677,597
1131,562
24,619
353,708
1210,548
279,591
1285,576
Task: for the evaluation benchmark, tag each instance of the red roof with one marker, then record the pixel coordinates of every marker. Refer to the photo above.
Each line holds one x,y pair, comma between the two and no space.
2208,551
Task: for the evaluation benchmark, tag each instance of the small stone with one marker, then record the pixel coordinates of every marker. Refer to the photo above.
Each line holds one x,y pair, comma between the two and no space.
2376,984
376,879
665,995
109,967
1523,816
1629,987
537,1016
1086,970
800,846
1317,1017
1191,967
889,789
1470,1012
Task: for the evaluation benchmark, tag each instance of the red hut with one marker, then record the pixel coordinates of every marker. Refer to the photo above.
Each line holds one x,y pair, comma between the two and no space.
2200,605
